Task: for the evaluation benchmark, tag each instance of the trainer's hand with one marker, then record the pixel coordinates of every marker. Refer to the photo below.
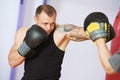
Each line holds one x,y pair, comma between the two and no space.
34,36
96,25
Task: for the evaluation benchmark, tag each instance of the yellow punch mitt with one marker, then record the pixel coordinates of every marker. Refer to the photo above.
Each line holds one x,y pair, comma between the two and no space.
96,25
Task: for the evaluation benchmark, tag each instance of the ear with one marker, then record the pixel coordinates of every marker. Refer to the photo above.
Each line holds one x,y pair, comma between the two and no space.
35,19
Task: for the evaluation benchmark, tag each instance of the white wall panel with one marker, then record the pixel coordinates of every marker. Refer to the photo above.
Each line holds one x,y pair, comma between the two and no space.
8,23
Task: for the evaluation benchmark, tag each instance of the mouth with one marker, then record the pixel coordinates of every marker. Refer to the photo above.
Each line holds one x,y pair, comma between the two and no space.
48,31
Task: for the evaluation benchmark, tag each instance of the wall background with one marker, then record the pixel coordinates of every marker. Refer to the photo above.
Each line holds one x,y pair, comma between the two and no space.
81,58
8,23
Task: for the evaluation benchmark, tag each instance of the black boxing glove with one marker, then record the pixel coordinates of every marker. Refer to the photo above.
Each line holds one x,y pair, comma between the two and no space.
34,37
96,25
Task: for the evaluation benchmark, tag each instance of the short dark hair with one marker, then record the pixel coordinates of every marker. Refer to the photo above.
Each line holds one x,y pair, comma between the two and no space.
48,9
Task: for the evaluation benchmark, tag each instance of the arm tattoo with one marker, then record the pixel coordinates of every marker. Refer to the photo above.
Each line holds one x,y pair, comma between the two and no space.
73,32
68,27
65,28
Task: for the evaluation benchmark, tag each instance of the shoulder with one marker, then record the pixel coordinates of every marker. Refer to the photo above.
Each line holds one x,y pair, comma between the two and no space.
22,30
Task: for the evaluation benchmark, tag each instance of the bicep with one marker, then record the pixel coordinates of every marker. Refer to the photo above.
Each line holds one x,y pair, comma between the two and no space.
76,33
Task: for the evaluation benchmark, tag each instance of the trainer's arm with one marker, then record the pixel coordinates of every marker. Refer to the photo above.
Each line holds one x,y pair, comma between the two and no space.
104,55
14,57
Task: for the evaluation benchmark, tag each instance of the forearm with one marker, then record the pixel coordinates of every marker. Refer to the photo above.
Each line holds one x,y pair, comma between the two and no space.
104,55
15,58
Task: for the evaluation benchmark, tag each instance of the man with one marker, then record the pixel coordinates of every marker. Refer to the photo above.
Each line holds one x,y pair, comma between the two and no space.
99,29
43,45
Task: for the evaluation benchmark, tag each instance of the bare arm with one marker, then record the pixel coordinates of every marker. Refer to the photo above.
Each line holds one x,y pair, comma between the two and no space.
75,33
14,57
104,55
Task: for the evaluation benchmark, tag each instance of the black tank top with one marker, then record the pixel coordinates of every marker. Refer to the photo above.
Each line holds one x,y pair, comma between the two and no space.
46,62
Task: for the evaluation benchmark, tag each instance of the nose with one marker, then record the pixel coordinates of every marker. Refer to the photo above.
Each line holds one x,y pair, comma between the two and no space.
48,27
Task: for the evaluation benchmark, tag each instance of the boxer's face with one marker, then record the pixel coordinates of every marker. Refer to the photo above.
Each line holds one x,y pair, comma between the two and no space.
46,22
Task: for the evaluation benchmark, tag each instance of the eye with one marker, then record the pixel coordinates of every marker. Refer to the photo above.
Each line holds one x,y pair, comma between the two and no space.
45,24
52,24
